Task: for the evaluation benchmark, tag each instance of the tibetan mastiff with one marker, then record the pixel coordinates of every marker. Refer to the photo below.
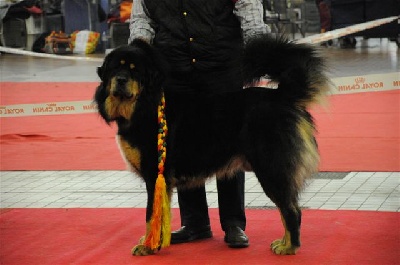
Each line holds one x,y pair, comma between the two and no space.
264,130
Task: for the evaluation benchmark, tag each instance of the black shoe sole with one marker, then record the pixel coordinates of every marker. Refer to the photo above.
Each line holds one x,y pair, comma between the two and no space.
237,244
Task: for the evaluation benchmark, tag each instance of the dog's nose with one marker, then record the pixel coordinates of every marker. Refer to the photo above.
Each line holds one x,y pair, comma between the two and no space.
121,89
121,80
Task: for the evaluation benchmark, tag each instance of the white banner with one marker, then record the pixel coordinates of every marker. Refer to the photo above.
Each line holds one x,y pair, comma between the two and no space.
342,85
366,83
58,108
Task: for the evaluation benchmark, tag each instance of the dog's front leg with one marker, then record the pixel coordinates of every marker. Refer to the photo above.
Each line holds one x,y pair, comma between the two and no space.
158,219
141,249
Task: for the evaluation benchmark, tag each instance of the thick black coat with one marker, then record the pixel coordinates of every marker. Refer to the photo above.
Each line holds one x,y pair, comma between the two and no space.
268,131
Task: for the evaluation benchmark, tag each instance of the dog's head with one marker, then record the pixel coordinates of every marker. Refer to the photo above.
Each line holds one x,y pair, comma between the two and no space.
128,74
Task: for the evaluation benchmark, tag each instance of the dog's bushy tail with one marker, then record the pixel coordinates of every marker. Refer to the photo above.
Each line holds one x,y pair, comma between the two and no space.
297,68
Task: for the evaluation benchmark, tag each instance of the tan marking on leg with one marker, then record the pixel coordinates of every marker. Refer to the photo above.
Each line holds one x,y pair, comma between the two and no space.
284,246
131,154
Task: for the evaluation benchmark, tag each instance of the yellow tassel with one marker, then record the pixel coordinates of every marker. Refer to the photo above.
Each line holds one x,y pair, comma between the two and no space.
160,228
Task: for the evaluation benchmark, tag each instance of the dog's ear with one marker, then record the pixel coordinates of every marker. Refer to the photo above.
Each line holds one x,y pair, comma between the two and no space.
100,97
100,72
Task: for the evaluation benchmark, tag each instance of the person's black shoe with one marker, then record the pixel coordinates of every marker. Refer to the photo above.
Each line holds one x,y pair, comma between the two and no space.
236,238
186,234
347,42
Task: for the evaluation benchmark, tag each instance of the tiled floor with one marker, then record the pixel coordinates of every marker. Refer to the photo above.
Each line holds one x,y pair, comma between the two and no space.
377,191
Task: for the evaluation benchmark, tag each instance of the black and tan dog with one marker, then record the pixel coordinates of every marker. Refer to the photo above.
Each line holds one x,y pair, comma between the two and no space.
267,131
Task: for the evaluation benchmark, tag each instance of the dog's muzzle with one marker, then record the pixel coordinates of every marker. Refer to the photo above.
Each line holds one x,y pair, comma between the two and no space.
121,90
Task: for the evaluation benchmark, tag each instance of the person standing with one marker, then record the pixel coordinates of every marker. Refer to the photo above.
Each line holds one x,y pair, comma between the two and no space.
202,41
324,9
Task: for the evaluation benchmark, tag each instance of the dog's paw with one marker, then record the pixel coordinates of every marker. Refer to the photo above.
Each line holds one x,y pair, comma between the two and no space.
280,247
142,250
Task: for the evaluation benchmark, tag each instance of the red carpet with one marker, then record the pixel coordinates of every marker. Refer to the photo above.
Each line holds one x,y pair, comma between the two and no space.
359,132
105,236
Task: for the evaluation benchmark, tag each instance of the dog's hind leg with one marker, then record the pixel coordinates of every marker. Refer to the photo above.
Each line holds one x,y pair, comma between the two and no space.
290,243
286,200
282,152
298,165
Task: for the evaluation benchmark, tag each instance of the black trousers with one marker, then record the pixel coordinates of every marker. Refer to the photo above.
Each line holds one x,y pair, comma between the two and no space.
193,202
194,209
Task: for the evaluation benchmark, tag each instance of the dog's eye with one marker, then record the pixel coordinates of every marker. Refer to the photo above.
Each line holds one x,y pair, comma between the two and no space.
122,62
131,66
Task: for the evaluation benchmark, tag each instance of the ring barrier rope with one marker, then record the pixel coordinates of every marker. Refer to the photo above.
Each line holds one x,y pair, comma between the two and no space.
337,33
49,56
317,38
